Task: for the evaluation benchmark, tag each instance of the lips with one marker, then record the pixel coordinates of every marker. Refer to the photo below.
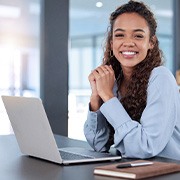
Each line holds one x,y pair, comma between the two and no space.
129,54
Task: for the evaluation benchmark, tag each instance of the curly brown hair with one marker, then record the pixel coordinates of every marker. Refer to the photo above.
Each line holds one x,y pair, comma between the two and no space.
134,101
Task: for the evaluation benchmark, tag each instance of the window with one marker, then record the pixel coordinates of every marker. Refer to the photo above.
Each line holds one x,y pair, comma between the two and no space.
88,24
19,52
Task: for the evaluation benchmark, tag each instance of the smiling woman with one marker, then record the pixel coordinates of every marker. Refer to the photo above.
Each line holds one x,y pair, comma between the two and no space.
86,38
130,40
128,105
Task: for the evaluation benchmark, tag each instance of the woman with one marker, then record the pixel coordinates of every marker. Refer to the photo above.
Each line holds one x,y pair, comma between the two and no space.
135,101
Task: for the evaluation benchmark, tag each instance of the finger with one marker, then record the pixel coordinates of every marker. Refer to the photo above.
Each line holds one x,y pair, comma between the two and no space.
104,69
109,69
100,70
96,74
91,77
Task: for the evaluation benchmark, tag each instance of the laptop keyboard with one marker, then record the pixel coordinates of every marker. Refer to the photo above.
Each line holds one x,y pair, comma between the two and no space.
71,156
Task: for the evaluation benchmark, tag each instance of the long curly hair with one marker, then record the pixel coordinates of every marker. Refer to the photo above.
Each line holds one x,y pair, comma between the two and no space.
135,99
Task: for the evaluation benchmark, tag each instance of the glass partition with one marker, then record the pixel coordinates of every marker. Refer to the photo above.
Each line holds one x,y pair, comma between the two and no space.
19,52
88,25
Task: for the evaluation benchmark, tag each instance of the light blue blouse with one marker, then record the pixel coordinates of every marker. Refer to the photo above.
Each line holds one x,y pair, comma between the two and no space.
157,134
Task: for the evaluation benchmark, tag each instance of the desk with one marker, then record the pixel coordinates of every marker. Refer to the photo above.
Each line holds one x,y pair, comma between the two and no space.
16,166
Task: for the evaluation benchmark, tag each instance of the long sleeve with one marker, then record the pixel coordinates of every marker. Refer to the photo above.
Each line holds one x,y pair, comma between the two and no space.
158,132
157,124
96,131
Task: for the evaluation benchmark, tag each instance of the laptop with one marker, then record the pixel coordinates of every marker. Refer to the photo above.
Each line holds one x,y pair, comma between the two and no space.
35,137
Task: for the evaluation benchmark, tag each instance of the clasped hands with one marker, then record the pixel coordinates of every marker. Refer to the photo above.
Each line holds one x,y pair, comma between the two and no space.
102,82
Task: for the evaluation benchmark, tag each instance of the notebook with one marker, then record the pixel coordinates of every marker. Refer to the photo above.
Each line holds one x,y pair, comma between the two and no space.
151,169
35,137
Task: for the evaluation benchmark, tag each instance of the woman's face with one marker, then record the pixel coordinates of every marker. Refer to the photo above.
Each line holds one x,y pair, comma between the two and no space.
130,40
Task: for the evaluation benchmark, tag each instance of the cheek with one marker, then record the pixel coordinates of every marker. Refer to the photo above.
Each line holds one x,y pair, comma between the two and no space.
144,52
115,48
145,47
115,45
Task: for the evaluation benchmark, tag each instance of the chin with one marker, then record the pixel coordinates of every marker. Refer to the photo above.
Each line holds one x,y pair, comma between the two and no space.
128,65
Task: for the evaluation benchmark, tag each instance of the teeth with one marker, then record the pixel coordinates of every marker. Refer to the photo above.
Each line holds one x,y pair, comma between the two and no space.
128,53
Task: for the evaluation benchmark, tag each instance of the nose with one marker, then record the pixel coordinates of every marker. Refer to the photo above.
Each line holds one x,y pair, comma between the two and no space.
128,43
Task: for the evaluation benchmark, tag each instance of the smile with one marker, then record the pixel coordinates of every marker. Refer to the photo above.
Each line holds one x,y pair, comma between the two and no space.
129,53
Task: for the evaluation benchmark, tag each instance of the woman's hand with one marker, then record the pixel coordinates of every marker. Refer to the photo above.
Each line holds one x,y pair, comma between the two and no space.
95,100
93,84
102,81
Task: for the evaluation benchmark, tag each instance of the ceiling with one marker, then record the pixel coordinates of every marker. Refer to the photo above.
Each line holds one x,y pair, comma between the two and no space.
86,18
19,23
22,17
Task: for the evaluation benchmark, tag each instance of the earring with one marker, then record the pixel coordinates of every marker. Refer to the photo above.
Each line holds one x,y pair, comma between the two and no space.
111,54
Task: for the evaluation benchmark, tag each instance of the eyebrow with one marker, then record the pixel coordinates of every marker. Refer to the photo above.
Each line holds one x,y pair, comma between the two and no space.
136,30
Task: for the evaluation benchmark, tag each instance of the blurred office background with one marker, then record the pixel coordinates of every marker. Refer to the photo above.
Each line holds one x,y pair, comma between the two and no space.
31,49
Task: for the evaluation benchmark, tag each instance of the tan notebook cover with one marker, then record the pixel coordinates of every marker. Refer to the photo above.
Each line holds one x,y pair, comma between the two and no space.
139,172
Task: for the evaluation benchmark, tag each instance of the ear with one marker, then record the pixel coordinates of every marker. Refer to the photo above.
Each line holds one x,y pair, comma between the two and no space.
152,42
111,43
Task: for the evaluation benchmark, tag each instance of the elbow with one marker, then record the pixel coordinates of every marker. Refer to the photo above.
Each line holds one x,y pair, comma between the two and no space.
140,154
141,151
97,144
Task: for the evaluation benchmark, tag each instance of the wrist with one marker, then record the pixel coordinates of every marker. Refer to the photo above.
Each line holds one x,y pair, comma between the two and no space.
107,97
95,102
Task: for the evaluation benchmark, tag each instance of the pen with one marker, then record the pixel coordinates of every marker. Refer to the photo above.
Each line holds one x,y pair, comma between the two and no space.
133,164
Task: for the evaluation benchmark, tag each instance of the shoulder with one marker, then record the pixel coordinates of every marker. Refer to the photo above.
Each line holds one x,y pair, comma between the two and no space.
162,78
161,70
161,73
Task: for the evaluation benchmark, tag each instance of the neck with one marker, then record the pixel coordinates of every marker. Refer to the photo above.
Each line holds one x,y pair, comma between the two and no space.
127,75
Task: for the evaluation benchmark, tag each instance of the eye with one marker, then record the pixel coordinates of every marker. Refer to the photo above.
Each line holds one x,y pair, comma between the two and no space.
119,35
139,36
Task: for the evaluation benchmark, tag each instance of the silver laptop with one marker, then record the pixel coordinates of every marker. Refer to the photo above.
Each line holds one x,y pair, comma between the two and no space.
35,137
